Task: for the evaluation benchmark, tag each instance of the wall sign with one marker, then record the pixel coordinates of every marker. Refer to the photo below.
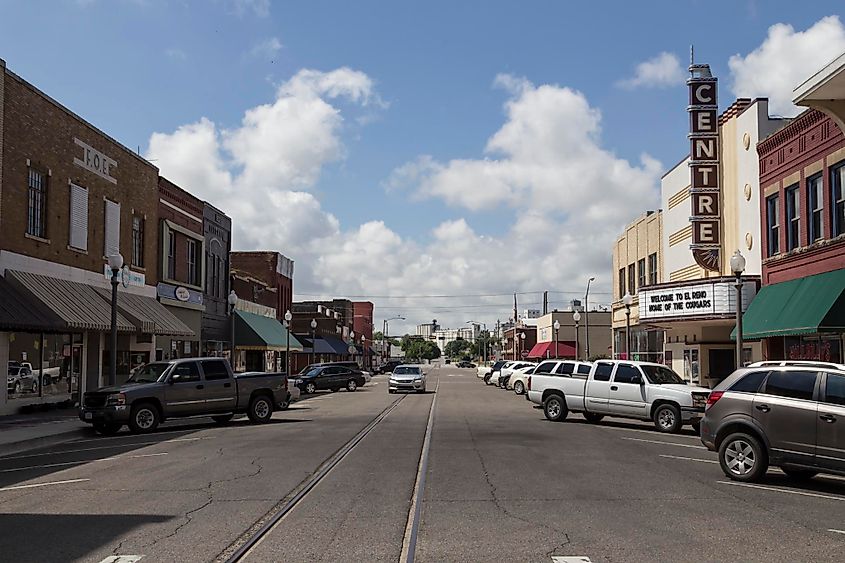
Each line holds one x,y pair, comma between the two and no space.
704,299
182,293
126,276
95,161
705,191
179,293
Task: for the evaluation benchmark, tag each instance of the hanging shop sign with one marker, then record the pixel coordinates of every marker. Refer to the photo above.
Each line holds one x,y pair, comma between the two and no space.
705,191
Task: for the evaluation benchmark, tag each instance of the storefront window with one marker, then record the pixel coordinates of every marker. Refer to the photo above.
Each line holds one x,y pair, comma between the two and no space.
692,371
822,348
58,357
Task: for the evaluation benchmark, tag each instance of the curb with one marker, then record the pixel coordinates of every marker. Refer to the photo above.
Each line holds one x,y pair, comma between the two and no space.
42,441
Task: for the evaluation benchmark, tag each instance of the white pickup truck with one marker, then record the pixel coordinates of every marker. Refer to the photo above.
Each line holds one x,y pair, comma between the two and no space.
625,389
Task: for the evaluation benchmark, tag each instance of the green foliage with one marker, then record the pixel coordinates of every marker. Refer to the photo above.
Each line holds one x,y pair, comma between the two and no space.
459,348
419,349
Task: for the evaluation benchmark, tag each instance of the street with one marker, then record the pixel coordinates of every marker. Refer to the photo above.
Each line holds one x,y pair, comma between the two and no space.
501,484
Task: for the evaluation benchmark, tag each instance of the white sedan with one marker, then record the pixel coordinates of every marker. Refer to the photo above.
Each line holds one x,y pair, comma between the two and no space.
519,379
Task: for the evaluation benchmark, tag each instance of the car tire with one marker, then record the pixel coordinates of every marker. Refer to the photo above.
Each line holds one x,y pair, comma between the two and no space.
144,418
310,388
519,388
391,391
696,426
285,404
743,458
667,418
554,407
260,409
106,428
799,474
34,387
222,418
351,385
17,388
593,418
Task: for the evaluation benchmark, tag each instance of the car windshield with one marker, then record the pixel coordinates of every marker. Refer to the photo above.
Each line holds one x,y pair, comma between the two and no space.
311,372
149,373
662,375
14,371
406,371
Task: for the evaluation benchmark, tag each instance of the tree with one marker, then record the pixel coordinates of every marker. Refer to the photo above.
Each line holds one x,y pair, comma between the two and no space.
458,348
418,349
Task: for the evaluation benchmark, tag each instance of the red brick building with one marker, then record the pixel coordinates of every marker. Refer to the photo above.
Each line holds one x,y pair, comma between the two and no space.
362,325
272,269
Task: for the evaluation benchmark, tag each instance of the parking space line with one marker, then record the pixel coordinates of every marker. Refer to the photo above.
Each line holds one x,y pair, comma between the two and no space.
666,443
122,559
836,531
156,433
78,462
651,432
57,452
689,458
34,485
778,490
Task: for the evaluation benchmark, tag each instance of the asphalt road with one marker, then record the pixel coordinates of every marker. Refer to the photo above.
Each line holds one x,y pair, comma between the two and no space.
502,484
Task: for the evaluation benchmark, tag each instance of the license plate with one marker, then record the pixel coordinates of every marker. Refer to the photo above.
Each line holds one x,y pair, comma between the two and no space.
89,415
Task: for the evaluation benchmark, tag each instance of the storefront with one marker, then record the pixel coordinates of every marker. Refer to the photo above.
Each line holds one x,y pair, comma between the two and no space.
186,305
261,343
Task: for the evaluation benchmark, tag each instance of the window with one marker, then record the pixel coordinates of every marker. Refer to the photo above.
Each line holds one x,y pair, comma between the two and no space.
603,372
138,241
834,391
78,237
792,384
187,371
837,185
36,204
632,287
171,255
565,368
773,225
652,269
545,367
641,272
815,207
750,383
112,238
584,369
621,282
194,263
627,374
215,369
793,218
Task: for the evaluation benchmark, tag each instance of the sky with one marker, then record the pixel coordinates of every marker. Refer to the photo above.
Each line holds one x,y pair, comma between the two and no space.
432,157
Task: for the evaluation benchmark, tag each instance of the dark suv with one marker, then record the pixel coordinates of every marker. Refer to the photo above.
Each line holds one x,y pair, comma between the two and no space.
329,376
791,416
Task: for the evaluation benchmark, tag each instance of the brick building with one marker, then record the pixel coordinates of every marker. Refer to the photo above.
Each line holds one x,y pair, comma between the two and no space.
274,270
362,325
218,244
70,196
329,341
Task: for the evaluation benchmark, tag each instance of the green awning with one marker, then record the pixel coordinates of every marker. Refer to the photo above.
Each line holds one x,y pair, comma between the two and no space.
256,332
803,306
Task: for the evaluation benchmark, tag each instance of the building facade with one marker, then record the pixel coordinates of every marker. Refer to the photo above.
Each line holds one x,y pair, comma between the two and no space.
217,228
443,336
274,270
572,332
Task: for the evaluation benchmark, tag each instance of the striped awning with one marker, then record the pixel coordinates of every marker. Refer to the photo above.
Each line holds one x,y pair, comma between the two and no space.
150,316
19,311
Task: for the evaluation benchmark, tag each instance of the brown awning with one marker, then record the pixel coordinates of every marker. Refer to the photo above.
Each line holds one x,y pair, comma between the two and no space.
20,312
150,316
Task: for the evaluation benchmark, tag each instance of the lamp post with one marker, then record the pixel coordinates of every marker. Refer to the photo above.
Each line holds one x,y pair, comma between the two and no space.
521,343
352,338
557,329
385,346
232,299
587,321
288,319
484,350
364,349
115,264
313,337
627,300
738,267
576,316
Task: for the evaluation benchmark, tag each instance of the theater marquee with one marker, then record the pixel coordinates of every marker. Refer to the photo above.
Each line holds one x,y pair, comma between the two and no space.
705,191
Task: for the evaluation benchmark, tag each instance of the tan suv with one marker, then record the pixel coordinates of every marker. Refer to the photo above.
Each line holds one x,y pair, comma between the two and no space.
790,416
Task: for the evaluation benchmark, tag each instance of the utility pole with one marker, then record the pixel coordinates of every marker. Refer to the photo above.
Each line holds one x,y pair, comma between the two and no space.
545,303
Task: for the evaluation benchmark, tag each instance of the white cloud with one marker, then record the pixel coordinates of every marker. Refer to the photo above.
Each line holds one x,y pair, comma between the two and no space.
260,8
784,60
266,49
176,54
658,72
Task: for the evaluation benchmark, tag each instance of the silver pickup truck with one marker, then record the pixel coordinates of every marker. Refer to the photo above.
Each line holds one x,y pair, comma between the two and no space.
180,388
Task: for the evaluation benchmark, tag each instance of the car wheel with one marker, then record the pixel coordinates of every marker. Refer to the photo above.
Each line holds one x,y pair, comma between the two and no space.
697,427
743,458
222,418
310,388
799,474
667,418
351,385
144,418
107,429
518,388
391,391
592,417
285,404
554,407
17,387
260,409
34,387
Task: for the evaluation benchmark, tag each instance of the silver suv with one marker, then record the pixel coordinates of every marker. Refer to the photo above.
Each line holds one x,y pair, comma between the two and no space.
791,416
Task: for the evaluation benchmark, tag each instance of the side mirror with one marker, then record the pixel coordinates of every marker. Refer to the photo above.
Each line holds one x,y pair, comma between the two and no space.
175,377
637,379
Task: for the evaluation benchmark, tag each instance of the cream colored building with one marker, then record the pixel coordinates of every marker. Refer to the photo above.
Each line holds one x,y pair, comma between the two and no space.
637,263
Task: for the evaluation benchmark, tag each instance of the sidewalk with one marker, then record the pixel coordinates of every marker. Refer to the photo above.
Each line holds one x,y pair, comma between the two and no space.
22,432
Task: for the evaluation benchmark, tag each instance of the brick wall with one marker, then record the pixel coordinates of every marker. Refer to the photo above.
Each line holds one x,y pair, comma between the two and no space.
184,210
263,265
38,129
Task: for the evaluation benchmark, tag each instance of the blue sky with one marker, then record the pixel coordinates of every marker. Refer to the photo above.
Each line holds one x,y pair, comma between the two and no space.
138,67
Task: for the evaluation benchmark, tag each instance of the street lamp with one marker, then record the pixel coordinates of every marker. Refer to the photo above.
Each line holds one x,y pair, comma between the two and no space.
521,343
115,264
352,338
737,267
313,337
576,316
484,350
627,300
288,319
587,320
232,299
557,329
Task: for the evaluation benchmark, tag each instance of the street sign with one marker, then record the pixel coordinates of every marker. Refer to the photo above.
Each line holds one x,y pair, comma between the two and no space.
352,350
525,353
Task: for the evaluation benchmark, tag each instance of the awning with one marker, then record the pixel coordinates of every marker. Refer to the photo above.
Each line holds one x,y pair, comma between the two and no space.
19,311
256,332
150,316
548,350
339,347
77,305
803,306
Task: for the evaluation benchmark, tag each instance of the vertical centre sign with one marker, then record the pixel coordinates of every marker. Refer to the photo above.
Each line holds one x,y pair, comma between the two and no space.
705,191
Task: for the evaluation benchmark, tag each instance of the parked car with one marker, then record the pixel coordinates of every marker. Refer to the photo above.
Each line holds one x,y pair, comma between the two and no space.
789,416
20,378
465,364
331,377
518,380
505,372
406,378
638,390
351,365
802,363
183,387
485,370
493,376
294,394
388,366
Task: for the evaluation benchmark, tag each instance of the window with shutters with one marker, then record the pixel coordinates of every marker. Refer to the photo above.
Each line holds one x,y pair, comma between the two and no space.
641,272
171,255
138,241
193,262
652,269
78,236
632,280
621,282
112,238
36,203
